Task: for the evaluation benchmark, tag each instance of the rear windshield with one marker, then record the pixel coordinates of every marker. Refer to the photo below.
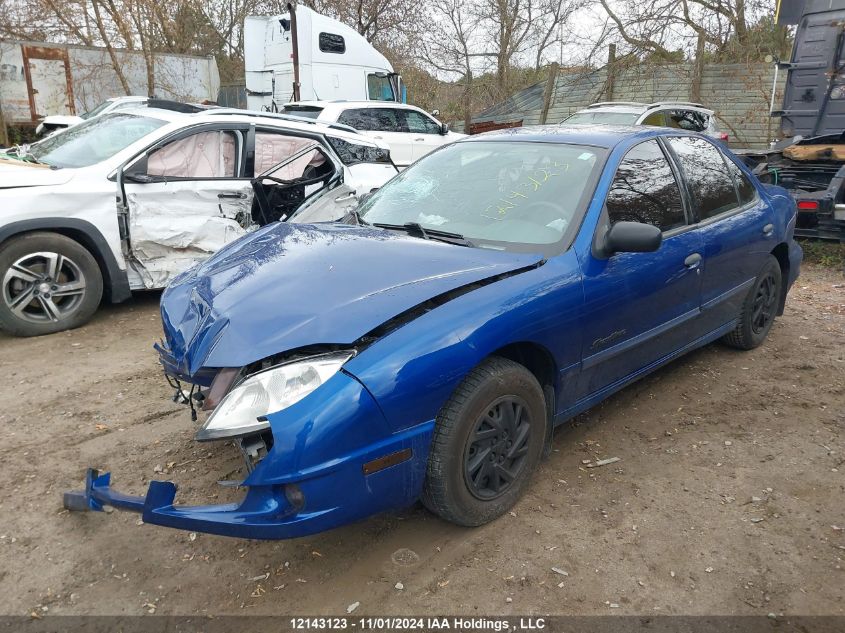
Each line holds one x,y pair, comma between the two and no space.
611,118
94,140
306,112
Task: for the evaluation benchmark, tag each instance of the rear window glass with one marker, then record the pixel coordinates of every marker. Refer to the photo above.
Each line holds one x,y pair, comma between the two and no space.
747,191
610,118
331,43
709,182
691,120
644,190
306,112
374,119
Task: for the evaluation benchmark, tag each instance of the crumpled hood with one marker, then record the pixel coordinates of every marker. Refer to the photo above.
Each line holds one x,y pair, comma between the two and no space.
287,286
14,173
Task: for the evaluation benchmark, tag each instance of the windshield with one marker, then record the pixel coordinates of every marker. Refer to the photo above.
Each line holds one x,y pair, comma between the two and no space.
518,196
611,118
95,111
93,140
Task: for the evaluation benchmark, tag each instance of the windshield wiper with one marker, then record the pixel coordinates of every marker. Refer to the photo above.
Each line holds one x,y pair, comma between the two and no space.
22,153
417,229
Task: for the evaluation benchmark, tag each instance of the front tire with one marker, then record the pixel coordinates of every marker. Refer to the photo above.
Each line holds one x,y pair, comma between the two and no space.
759,308
48,283
488,440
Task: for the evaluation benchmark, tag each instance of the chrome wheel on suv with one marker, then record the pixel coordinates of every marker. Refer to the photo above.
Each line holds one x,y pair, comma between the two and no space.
43,287
48,283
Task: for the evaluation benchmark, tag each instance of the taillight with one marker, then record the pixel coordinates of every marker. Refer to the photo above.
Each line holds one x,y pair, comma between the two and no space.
723,136
808,205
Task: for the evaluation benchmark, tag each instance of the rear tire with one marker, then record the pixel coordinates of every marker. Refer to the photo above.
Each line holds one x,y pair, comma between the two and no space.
488,440
759,308
48,283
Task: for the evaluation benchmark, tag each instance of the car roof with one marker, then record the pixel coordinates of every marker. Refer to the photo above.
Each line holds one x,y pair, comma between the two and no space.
635,107
258,118
353,104
597,135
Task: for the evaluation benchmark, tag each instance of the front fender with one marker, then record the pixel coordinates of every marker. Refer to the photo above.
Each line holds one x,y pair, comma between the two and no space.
412,371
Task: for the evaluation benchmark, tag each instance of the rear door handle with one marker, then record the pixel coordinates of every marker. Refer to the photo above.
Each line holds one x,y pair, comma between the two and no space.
692,261
768,229
419,139
231,196
345,198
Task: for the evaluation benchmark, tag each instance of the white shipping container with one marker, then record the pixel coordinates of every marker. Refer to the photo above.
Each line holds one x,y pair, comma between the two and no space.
38,79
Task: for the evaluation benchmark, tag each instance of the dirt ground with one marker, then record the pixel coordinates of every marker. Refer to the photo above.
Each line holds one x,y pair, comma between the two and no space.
729,496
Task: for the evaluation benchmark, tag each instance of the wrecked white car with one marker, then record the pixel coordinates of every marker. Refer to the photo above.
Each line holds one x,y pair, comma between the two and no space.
128,200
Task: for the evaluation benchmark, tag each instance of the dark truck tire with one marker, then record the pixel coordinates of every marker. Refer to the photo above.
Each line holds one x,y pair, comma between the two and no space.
759,308
488,440
48,283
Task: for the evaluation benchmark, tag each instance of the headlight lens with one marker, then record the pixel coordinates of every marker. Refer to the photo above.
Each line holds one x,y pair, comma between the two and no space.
242,411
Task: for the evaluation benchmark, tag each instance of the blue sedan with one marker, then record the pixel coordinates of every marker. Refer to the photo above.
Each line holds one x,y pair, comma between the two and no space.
425,346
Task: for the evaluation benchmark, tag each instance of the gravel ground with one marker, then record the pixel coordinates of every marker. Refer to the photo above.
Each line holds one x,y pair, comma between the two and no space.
728,497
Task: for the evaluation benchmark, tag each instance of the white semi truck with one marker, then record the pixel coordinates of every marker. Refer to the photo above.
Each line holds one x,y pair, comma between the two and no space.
304,56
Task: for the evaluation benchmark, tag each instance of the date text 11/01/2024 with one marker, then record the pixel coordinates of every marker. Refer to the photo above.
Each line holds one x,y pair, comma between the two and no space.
369,623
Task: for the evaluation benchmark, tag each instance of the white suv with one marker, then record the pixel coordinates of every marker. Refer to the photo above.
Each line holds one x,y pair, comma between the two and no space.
128,200
692,117
410,132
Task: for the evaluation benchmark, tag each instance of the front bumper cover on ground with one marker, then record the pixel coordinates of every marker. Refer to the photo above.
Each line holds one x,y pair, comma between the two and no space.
265,512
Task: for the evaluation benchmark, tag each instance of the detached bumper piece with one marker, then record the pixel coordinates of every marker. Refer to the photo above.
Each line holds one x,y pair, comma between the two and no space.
265,512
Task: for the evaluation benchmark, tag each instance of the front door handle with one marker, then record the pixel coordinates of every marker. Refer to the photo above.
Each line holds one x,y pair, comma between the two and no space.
345,198
419,139
231,196
768,229
692,261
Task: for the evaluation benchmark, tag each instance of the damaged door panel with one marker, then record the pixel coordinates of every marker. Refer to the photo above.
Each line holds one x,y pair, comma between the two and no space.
185,200
302,180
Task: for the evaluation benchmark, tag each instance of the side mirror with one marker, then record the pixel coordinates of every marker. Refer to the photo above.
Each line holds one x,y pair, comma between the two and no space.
632,237
139,178
435,113
444,129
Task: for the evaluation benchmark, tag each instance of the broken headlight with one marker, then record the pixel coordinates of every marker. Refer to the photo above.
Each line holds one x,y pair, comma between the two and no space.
244,409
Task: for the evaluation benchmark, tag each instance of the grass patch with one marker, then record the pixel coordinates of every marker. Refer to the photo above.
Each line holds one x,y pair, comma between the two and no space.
827,254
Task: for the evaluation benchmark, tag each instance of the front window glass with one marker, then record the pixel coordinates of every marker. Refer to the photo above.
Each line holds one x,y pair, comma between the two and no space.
645,190
503,195
95,111
94,140
610,118
210,154
419,123
709,181
379,88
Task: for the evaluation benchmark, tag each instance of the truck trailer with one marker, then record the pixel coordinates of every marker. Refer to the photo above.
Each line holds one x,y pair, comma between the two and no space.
809,158
39,79
302,55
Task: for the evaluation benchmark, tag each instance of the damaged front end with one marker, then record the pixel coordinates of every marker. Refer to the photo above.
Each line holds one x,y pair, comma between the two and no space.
306,463
318,449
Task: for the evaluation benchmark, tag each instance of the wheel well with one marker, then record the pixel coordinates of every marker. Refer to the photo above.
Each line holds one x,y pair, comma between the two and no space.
781,253
115,285
539,361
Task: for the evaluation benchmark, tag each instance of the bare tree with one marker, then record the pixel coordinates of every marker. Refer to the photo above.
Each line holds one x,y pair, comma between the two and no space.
663,27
